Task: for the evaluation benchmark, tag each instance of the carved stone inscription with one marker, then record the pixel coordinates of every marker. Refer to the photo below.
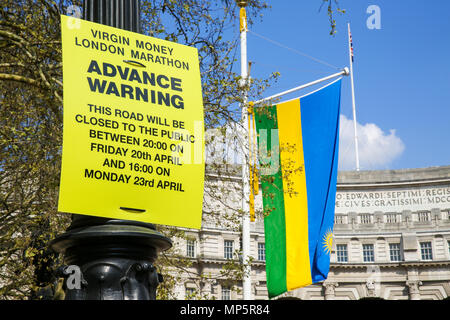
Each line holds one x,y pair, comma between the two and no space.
423,198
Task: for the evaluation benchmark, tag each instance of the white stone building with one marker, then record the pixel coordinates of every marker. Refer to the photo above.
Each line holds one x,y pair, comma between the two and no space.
391,239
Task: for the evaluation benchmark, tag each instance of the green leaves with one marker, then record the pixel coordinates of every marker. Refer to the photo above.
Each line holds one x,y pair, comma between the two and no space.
30,143
331,11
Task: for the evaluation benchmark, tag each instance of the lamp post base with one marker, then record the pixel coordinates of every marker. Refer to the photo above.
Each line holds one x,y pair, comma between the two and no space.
110,259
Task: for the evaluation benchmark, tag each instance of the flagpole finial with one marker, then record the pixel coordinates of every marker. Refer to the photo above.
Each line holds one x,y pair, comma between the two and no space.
242,3
346,71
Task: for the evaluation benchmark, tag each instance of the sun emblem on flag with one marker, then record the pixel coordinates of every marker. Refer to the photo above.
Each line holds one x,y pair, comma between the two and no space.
327,241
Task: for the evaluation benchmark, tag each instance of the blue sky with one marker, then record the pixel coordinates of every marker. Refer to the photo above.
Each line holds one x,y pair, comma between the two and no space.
401,73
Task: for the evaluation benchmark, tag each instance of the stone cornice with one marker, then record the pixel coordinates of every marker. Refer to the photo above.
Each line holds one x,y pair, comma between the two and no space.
413,183
402,176
422,264
348,180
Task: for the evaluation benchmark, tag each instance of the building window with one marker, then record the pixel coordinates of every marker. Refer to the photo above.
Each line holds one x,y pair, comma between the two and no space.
261,251
368,253
426,251
190,248
228,249
226,293
365,218
394,251
341,251
391,218
423,216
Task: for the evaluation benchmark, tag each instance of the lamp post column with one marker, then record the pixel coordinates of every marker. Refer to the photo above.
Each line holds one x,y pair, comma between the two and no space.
110,259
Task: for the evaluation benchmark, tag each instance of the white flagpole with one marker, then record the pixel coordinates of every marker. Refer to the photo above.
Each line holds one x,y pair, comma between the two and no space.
246,281
350,53
344,72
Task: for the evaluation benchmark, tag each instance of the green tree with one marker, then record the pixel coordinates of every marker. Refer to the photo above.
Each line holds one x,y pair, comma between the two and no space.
30,141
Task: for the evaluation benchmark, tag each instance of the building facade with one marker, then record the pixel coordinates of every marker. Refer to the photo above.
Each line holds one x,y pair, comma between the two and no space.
391,239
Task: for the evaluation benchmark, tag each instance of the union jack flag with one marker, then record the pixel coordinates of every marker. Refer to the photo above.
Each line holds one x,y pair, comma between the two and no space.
351,44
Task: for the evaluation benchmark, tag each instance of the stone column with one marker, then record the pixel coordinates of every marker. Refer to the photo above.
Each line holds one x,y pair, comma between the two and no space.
413,286
329,287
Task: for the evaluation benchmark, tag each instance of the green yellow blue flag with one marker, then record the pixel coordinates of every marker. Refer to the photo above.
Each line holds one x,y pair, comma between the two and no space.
298,155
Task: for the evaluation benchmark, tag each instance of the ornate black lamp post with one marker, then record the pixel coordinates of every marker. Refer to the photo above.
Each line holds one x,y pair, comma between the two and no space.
115,257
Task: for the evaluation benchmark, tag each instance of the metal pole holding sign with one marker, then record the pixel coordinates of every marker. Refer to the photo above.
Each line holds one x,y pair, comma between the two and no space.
112,258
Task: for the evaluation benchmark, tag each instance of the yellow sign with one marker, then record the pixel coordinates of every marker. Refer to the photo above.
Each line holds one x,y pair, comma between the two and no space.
133,126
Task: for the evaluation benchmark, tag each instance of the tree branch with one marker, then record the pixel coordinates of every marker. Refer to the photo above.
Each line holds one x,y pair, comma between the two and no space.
14,77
